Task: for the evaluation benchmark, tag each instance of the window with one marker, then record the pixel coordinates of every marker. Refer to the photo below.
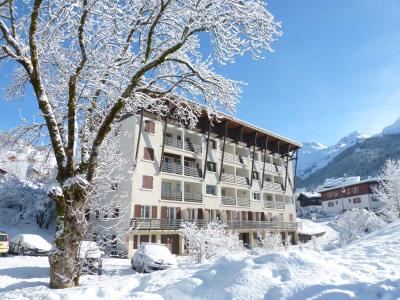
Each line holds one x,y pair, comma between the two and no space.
94,238
356,200
148,153
114,241
211,166
330,204
213,144
147,182
114,186
256,175
97,214
171,213
355,189
149,126
116,212
105,214
211,189
256,196
87,214
145,212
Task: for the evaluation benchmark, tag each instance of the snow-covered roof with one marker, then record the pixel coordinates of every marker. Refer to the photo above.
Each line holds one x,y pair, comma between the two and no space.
347,184
311,194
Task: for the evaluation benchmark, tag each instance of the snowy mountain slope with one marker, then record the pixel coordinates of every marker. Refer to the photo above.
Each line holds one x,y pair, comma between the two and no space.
367,269
314,156
392,129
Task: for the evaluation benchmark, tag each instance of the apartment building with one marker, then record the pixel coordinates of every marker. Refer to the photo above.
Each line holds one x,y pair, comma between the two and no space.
350,195
225,170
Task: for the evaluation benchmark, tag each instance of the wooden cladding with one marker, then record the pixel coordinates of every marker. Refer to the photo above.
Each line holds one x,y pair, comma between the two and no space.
148,153
149,126
147,182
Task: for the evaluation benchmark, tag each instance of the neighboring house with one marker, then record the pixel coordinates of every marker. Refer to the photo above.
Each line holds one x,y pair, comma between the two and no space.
309,201
213,172
350,195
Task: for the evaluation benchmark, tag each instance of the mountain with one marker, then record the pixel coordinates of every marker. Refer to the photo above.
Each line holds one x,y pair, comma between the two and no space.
392,129
314,156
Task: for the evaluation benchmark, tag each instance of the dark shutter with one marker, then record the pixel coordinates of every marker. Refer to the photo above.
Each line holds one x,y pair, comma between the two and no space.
147,182
138,210
164,212
200,214
148,153
178,213
149,126
262,216
154,212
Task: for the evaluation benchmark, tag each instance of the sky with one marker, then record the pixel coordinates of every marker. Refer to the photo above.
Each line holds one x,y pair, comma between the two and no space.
335,69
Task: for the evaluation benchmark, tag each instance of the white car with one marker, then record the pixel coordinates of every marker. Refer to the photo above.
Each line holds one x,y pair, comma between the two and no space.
150,257
29,244
91,258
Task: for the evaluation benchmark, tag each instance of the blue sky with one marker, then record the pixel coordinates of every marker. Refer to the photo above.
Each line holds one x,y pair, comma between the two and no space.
335,69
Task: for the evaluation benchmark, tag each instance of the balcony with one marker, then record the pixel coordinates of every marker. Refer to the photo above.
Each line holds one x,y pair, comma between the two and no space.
174,143
196,148
272,186
192,171
229,157
280,205
274,205
242,180
175,224
242,160
229,178
228,200
171,195
193,197
243,202
172,168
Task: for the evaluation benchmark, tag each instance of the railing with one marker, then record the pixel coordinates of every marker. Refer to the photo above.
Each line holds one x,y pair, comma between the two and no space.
174,143
193,197
172,168
229,157
242,180
228,200
189,146
242,160
191,171
243,201
230,178
274,205
273,186
175,224
171,195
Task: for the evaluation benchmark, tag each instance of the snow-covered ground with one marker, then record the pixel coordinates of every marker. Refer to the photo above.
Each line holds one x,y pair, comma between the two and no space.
367,269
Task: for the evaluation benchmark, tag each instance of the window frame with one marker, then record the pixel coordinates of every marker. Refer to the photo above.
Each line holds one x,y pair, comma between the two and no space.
215,190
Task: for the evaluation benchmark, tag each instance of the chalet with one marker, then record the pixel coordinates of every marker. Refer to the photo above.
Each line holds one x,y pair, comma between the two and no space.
350,195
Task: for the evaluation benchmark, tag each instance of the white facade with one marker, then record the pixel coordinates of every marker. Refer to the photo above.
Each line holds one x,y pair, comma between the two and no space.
179,191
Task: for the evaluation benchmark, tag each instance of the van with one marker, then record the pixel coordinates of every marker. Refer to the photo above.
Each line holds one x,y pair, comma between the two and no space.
4,245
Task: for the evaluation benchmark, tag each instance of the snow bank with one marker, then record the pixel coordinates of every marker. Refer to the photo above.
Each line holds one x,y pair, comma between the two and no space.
310,228
367,269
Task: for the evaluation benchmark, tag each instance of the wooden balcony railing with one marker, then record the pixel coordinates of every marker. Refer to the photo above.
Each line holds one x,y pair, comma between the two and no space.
228,200
193,172
196,148
172,168
242,180
174,143
171,195
243,202
175,224
193,197
230,178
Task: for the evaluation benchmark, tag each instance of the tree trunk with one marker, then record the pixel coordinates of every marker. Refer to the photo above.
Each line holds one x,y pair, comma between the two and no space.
70,230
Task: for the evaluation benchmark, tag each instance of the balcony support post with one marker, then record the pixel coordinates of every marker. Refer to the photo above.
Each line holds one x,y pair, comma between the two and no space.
139,134
265,156
295,171
207,146
287,167
253,159
223,149
163,141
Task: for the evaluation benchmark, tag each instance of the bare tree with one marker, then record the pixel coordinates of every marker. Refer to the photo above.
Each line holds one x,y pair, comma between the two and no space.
388,190
90,61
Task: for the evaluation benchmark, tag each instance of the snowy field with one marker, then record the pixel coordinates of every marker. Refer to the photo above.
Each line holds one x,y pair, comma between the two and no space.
368,269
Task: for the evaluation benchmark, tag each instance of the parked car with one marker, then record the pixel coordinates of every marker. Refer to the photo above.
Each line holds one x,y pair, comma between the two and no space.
29,244
150,257
4,244
91,258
